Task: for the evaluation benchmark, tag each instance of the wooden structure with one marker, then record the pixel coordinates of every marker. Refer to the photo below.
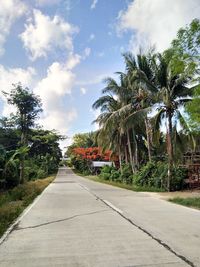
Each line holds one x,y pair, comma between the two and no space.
192,164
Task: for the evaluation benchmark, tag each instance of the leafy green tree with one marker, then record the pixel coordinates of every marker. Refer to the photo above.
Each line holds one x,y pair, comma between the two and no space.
83,140
44,147
187,42
193,108
28,107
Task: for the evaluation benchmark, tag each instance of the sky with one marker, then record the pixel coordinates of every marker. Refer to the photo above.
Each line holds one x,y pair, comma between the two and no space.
63,49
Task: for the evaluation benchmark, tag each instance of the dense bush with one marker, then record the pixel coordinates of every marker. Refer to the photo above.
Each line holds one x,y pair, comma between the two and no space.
126,175
81,165
154,174
113,174
151,175
33,169
107,171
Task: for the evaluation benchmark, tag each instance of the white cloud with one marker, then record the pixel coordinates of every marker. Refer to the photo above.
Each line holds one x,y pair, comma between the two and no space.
83,90
59,120
53,90
92,37
156,21
73,60
10,10
44,34
94,3
101,54
87,52
11,76
54,86
47,2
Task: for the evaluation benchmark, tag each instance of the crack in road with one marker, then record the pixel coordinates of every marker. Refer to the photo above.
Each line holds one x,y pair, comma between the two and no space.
17,228
162,243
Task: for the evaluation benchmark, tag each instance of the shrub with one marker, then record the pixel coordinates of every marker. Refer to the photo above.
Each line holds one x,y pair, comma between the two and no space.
107,172
126,175
41,173
115,175
154,174
81,165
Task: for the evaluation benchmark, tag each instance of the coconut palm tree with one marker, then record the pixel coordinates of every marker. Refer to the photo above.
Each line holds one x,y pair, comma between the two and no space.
114,106
141,76
171,80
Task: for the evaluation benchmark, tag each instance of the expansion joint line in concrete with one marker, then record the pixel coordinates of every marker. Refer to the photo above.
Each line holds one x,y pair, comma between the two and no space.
140,228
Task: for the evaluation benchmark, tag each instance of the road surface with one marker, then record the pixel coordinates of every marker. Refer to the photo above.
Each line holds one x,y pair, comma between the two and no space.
77,222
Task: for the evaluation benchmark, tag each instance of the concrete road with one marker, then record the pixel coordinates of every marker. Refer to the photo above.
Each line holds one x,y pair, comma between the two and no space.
77,222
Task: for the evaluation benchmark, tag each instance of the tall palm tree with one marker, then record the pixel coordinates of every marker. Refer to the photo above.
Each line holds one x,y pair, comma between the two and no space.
172,84
114,106
141,77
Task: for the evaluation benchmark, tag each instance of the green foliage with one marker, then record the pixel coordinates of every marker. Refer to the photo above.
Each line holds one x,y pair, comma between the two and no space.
41,157
106,172
154,174
189,202
83,140
126,174
193,107
187,42
28,107
113,174
81,165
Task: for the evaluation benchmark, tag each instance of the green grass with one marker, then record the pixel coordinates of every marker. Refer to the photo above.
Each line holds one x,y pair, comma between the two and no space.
193,202
96,178
13,202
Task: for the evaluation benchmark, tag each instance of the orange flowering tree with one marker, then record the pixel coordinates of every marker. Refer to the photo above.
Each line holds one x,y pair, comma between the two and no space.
94,153
82,157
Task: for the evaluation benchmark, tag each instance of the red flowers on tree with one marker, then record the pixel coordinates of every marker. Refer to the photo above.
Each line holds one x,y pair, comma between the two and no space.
94,154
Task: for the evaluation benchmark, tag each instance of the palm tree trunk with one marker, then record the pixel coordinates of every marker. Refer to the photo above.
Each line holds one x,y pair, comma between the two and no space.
148,138
169,150
136,155
120,156
135,158
130,152
125,149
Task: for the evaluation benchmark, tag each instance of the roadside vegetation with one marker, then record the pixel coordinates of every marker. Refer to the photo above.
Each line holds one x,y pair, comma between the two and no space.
193,202
14,201
149,118
29,155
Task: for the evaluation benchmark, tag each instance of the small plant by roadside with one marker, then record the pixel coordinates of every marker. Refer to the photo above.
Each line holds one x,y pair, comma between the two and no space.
193,202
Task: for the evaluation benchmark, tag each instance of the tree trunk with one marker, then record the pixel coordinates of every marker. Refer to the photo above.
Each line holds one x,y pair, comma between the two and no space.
148,133
125,150
135,158
130,152
169,150
136,155
23,143
120,158
21,166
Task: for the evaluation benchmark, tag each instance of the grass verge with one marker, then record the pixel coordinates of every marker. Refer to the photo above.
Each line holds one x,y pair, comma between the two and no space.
14,201
132,187
193,202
